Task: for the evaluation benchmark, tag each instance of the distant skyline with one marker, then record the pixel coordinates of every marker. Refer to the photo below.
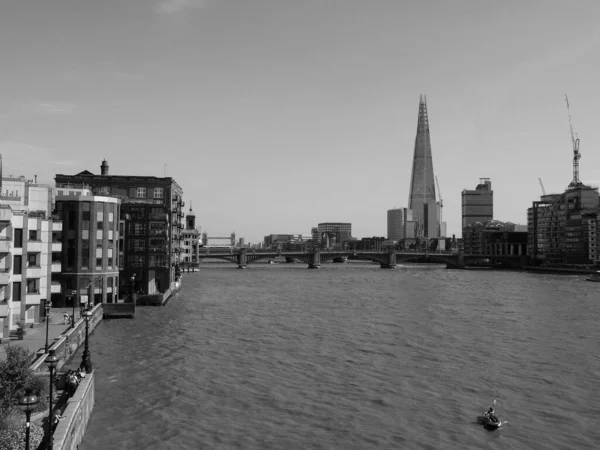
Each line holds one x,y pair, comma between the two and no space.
275,115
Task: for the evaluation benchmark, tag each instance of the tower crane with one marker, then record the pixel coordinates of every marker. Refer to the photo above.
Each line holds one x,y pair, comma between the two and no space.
576,154
542,186
441,200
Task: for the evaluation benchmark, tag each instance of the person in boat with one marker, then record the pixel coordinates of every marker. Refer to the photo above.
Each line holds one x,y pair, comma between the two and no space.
491,414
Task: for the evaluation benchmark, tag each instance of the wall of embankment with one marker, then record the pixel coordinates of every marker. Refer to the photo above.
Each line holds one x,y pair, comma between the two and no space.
69,432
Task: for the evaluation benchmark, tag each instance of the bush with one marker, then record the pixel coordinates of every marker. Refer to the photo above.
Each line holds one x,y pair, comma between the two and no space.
12,431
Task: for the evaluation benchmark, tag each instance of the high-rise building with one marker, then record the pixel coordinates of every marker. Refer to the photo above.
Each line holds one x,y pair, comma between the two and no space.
30,249
152,208
397,220
478,205
422,181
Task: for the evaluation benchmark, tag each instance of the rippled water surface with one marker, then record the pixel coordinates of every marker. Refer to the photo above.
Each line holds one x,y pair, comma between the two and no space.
352,357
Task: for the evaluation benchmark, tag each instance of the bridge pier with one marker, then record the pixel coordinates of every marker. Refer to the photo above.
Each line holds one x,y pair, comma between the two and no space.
242,260
315,261
391,261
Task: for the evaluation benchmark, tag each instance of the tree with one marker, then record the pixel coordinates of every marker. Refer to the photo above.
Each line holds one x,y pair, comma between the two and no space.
15,375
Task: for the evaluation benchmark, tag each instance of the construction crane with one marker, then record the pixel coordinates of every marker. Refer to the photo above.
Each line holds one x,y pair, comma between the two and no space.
441,200
542,186
576,154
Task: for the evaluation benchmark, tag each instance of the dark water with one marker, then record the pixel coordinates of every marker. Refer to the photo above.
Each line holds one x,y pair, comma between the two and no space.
352,357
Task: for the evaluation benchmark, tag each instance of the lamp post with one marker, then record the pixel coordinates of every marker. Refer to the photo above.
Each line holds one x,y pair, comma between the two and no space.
51,361
27,403
86,361
132,286
75,297
47,307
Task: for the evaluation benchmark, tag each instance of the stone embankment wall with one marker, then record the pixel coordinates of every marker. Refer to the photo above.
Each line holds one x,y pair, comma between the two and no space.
70,430
67,343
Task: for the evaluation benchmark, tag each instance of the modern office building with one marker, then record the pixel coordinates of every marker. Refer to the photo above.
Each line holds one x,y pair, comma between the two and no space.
332,233
90,257
562,227
397,220
192,240
29,252
422,197
152,209
478,204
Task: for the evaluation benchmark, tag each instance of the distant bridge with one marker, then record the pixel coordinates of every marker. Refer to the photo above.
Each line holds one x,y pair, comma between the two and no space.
387,260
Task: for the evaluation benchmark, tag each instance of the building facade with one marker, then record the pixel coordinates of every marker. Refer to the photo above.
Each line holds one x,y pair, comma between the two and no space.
397,220
562,227
153,220
90,257
29,252
478,204
331,234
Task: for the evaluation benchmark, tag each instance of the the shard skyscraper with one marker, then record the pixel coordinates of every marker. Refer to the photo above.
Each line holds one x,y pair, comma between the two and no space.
421,197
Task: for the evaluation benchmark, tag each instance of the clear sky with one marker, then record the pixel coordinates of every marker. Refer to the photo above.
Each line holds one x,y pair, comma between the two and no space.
274,115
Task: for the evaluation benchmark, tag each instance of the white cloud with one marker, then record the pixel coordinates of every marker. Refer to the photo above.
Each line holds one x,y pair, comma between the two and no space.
174,6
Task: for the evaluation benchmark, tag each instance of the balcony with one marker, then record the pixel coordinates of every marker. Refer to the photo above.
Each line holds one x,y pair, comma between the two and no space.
33,297
5,245
34,272
158,232
158,249
56,267
163,217
55,288
34,246
5,214
5,277
56,247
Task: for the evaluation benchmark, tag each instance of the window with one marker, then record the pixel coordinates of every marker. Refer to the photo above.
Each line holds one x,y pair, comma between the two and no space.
110,262
137,228
100,225
111,217
16,291
85,256
141,192
100,216
85,235
33,235
98,235
86,206
85,225
17,265
136,260
18,239
137,245
32,259
85,215
98,262
32,286
158,192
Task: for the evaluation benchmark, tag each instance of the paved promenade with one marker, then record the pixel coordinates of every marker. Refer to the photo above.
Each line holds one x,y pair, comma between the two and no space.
35,338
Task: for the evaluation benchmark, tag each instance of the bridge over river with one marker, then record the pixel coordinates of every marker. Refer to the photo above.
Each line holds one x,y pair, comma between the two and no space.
387,260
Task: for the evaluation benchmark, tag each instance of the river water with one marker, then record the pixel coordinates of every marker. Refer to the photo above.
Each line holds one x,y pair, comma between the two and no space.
352,357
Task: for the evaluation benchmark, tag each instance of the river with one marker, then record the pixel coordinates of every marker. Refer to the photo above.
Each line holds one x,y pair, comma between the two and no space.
352,357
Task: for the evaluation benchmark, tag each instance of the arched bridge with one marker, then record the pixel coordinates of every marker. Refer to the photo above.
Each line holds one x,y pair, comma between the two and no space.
314,259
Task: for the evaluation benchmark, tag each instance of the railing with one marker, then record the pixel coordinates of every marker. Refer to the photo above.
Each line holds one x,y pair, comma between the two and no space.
33,291
158,232
158,249
161,216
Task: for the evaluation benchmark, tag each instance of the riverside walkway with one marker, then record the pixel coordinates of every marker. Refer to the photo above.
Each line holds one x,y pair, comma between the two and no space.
35,338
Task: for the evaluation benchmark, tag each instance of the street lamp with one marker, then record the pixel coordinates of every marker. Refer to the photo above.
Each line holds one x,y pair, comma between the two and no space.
51,361
27,403
86,361
132,286
47,307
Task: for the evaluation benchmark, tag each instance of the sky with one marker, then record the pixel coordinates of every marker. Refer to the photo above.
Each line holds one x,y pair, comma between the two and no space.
275,115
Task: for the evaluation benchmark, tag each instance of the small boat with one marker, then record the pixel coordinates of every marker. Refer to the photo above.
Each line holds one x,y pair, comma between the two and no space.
491,423
594,277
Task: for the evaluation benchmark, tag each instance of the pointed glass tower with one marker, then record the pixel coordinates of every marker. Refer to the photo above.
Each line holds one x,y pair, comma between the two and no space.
421,197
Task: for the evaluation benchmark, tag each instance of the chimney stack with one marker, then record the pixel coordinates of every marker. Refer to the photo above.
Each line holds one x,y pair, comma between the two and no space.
104,168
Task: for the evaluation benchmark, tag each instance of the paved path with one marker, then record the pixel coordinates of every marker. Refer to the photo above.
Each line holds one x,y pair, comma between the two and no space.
35,338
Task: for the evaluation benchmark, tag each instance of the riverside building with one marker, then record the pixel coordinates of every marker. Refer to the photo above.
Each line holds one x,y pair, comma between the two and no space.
191,240
90,258
153,219
332,233
29,252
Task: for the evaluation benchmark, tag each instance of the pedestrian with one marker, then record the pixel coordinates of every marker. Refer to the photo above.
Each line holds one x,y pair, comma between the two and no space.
66,318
